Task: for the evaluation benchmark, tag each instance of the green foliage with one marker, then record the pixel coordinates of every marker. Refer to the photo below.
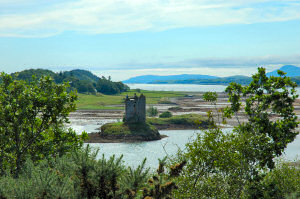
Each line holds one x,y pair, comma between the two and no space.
190,120
281,182
82,175
31,121
135,179
210,96
152,111
106,86
161,185
166,114
240,164
145,131
265,97
26,75
214,168
81,80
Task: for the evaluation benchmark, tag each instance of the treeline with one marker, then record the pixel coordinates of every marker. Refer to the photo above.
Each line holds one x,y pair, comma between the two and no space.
81,80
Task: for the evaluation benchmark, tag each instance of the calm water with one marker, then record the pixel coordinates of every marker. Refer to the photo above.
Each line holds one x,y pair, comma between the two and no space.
179,87
134,153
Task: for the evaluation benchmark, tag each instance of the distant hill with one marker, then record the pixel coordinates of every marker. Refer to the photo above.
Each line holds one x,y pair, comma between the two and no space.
82,75
146,79
216,81
27,74
291,70
81,80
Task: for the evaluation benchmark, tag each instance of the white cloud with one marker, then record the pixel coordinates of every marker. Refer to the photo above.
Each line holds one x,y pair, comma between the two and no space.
118,16
221,67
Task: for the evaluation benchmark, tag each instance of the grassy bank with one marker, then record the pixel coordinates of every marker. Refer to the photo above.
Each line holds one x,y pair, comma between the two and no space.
123,132
99,101
187,120
120,128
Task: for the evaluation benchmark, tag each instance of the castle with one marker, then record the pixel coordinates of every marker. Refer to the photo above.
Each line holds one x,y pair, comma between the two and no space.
135,109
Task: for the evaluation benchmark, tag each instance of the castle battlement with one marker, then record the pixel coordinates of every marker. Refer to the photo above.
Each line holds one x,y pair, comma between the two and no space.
135,109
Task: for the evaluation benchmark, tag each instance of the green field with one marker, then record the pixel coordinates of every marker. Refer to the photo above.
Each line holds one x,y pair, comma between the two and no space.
186,119
100,101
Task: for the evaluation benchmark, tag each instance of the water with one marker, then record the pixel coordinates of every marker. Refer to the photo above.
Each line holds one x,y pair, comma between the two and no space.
134,153
183,87
179,87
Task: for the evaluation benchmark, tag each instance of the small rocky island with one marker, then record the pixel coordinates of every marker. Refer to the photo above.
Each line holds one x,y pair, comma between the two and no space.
133,128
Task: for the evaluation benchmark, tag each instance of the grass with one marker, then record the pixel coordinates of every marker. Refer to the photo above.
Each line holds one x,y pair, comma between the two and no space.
187,119
100,101
123,129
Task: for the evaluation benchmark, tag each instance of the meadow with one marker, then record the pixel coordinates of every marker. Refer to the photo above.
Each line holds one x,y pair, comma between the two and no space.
103,102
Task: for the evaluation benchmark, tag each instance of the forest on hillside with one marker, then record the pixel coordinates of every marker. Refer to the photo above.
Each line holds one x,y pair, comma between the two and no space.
81,80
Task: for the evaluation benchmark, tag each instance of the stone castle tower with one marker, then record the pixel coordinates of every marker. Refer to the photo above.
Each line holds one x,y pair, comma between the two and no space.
135,109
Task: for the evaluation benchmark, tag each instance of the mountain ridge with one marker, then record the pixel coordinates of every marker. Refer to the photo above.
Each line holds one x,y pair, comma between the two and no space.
291,70
146,79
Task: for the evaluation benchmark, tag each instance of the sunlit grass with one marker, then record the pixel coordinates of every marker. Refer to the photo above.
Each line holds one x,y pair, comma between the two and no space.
101,101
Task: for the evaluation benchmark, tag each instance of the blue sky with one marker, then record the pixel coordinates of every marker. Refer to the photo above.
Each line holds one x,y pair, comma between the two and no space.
125,38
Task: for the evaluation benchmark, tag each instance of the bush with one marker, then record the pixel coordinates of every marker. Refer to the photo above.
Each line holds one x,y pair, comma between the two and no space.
82,175
281,182
166,114
152,111
32,115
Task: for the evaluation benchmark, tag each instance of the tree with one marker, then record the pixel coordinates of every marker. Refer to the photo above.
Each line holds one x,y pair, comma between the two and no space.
271,119
32,116
234,165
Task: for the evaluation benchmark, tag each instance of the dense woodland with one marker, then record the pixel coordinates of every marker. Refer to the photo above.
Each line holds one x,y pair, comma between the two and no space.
40,158
81,80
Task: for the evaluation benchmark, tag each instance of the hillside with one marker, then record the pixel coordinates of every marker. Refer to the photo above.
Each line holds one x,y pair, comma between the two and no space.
291,70
81,80
81,75
221,80
26,75
146,79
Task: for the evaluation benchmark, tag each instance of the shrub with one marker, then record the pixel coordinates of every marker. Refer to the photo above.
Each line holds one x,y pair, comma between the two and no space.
152,111
32,115
82,175
166,114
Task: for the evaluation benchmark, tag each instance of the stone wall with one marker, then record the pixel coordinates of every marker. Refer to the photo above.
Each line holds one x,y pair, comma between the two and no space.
135,109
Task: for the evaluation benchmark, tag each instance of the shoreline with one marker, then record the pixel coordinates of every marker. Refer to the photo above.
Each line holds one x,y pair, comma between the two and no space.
97,138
